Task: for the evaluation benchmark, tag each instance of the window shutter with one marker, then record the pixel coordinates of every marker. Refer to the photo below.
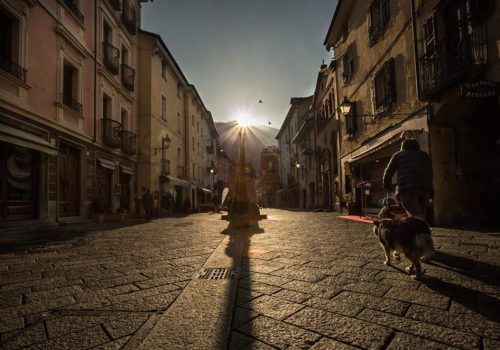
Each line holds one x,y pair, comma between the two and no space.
391,73
384,11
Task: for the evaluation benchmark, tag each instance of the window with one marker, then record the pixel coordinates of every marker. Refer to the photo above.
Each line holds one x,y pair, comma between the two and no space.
194,171
106,106
178,156
10,41
71,87
124,119
379,16
198,126
124,55
164,69
179,90
107,34
163,107
192,120
384,87
348,65
198,148
178,122
192,144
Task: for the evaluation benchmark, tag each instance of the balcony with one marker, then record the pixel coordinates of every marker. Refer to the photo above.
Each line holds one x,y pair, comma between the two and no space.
111,57
165,167
72,104
180,172
73,7
116,4
128,75
451,62
12,68
129,17
129,142
111,132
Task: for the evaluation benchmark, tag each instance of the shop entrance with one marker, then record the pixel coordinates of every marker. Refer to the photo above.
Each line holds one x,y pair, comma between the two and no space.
19,174
69,181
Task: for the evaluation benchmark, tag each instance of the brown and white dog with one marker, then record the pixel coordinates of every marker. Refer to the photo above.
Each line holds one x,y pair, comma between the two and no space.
410,235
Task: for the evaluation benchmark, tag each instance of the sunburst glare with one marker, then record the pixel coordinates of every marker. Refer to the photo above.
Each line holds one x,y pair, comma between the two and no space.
244,119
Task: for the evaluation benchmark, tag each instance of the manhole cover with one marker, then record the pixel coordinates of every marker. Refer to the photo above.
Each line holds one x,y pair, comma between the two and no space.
217,274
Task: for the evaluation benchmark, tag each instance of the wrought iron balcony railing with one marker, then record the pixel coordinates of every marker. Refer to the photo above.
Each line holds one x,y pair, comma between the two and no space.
180,172
452,61
71,103
71,4
129,17
165,167
111,132
6,64
128,75
116,4
129,142
111,57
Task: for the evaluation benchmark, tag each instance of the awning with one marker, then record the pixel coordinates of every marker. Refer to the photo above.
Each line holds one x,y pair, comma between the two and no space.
178,182
25,139
126,169
106,163
384,145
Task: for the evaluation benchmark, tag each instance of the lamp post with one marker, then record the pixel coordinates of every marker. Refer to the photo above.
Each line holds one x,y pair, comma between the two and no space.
242,212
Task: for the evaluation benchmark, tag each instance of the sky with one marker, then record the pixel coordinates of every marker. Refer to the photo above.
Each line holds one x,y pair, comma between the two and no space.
237,52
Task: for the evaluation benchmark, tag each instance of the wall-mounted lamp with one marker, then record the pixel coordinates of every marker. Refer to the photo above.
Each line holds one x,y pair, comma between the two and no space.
346,106
298,165
165,144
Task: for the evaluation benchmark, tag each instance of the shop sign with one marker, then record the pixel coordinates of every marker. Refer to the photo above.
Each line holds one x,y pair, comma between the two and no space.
480,89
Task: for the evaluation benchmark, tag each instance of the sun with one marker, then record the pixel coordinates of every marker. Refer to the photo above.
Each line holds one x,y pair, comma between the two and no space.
244,119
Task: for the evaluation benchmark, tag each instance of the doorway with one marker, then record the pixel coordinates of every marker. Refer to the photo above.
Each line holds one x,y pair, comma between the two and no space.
69,181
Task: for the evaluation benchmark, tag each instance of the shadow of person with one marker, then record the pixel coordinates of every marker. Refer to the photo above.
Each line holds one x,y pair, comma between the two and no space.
475,269
474,300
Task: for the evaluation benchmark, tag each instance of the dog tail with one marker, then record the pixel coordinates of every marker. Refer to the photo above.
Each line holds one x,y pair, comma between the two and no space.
425,242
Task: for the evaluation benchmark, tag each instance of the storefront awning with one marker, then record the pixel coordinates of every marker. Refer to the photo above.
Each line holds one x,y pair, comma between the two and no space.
126,169
372,151
25,139
178,182
106,163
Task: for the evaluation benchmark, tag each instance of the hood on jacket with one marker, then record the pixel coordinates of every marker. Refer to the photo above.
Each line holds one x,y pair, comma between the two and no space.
410,145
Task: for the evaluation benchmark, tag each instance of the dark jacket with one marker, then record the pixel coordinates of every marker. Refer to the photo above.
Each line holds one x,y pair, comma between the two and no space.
413,166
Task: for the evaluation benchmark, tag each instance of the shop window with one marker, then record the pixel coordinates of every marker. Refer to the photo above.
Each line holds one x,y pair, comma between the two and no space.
348,67
71,87
384,87
379,16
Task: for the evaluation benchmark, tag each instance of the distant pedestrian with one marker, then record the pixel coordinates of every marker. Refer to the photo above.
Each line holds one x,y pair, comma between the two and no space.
215,202
414,186
147,203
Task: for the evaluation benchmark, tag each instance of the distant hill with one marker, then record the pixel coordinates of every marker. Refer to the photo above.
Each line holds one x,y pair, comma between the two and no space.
258,137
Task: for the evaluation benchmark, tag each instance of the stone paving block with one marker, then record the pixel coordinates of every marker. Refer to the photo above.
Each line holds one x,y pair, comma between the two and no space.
245,295
52,293
367,288
422,329
292,296
373,302
116,281
28,337
404,341
84,339
243,315
279,334
330,344
470,323
41,306
118,327
267,279
11,325
239,340
345,329
418,297
18,277
113,345
258,345
334,306
273,307
301,273
143,293
151,303
259,287
10,299
320,290
489,344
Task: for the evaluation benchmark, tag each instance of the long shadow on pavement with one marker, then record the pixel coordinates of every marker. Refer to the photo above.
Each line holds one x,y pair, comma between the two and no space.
238,236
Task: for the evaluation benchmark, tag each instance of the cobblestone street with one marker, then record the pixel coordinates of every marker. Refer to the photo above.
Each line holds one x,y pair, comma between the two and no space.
307,280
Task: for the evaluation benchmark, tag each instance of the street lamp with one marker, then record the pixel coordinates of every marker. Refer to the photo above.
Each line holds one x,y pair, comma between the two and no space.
346,106
297,165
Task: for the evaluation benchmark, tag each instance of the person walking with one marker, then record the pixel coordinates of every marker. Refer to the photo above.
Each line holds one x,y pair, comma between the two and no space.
147,203
414,185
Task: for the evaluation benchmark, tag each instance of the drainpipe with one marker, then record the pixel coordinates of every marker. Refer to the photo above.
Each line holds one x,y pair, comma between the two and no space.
415,51
95,71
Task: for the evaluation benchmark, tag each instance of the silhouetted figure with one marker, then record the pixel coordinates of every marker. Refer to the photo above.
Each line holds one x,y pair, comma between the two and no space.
147,203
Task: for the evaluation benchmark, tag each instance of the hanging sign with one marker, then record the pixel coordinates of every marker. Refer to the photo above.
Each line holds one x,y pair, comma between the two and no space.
480,89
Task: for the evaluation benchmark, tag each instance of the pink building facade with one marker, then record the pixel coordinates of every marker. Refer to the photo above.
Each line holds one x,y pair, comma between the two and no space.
68,109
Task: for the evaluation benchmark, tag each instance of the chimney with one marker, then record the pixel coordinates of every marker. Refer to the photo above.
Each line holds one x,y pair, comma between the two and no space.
323,65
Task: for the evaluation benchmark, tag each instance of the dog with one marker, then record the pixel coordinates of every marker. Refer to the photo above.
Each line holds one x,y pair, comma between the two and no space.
410,235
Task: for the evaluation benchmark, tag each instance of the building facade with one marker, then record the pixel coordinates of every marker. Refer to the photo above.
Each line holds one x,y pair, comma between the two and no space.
376,79
269,180
69,120
458,69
